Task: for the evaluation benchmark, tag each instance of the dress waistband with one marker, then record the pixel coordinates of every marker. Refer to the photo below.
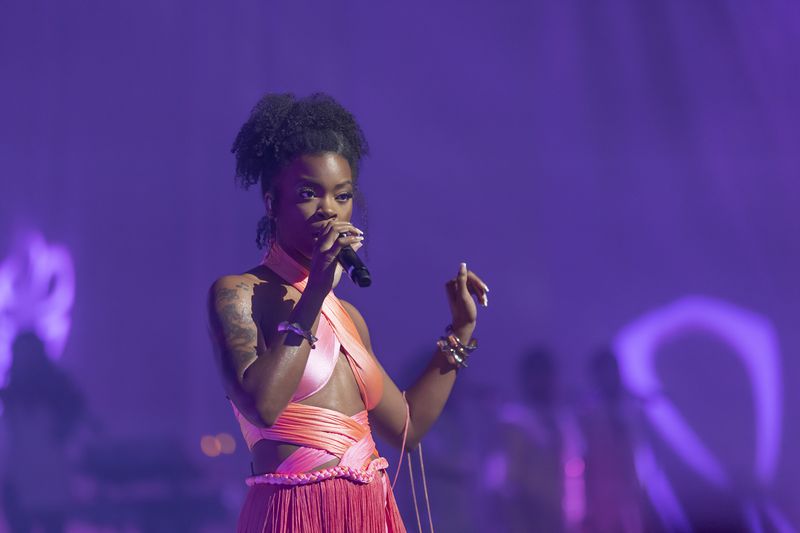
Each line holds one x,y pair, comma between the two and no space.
322,436
364,476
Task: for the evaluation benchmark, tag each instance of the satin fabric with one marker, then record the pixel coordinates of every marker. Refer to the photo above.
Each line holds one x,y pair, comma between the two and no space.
322,434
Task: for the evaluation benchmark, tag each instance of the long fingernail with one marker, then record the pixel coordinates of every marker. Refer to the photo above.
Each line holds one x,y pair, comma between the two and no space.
485,301
463,266
485,287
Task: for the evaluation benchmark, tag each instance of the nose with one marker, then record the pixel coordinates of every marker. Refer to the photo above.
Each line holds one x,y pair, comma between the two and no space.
326,208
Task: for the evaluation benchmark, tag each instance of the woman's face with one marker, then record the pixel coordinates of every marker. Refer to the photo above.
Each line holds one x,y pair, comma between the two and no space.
311,190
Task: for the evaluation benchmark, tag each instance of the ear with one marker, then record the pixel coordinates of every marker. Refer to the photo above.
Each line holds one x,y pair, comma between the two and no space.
268,203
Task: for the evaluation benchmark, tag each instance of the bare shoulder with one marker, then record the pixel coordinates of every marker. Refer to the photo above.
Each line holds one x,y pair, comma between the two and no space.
358,320
244,281
232,292
230,285
245,290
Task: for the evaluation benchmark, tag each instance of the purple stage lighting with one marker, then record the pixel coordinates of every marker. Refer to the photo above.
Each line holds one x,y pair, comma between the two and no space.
37,290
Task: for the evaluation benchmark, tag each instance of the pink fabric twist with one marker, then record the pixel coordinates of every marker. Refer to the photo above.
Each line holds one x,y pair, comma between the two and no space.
363,476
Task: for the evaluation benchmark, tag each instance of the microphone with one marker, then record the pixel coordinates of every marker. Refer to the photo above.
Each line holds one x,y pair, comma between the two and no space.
354,267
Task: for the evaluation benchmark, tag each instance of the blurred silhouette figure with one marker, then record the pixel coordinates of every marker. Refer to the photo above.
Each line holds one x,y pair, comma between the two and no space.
614,496
144,485
532,476
42,409
148,484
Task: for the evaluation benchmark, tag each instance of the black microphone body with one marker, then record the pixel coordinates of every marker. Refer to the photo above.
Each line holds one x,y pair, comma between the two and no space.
354,267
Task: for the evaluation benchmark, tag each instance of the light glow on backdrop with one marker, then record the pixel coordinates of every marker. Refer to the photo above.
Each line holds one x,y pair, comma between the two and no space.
753,339
591,160
37,291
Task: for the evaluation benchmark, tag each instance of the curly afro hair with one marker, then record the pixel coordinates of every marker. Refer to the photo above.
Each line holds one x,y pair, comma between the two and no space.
282,127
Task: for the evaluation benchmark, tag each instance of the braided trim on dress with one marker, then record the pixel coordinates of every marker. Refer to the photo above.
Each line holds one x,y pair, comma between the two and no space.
364,476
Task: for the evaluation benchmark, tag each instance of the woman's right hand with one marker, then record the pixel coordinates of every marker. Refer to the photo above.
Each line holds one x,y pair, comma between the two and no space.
322,274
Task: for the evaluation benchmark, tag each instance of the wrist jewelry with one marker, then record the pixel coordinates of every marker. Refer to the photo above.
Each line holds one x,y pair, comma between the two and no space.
295,328
453,338
456,351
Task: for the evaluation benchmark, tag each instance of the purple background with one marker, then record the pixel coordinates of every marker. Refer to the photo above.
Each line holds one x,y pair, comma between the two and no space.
590,160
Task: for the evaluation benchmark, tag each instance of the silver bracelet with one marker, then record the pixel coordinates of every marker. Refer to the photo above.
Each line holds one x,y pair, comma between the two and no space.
455,341
454,356
457,352
295,328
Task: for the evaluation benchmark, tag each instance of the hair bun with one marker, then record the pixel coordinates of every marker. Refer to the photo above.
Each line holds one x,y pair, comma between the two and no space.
256,144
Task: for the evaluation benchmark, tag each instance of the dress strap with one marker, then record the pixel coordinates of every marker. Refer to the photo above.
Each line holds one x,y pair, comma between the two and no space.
368,375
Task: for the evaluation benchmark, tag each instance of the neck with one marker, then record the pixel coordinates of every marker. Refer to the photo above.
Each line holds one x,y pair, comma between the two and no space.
295,254
302,261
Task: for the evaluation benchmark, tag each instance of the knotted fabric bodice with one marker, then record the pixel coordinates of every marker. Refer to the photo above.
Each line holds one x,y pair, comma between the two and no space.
322,434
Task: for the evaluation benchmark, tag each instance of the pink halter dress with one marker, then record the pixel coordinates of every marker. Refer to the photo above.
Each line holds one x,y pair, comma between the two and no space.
300,495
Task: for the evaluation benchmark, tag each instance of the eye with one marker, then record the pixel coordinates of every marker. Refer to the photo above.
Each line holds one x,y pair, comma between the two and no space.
305,193
344,197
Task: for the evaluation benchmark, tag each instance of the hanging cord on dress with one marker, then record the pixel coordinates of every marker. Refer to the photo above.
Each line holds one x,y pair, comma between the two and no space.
403,445
424,488
411,474
414,492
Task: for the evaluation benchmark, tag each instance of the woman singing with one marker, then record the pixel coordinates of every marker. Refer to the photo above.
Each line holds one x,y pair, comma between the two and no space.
296,361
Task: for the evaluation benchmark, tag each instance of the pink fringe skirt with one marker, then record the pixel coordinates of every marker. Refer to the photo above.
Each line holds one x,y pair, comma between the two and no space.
336,505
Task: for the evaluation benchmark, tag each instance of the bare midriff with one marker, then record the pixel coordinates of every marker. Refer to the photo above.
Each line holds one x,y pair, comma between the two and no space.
340,393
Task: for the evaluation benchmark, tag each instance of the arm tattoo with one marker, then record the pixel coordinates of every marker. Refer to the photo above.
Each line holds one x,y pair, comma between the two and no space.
234,325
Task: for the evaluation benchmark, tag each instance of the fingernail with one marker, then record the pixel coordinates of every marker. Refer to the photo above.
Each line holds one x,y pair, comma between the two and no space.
463,266
485,301
485,287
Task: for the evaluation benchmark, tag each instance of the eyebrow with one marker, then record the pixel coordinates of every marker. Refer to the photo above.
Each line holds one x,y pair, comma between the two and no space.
305,181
